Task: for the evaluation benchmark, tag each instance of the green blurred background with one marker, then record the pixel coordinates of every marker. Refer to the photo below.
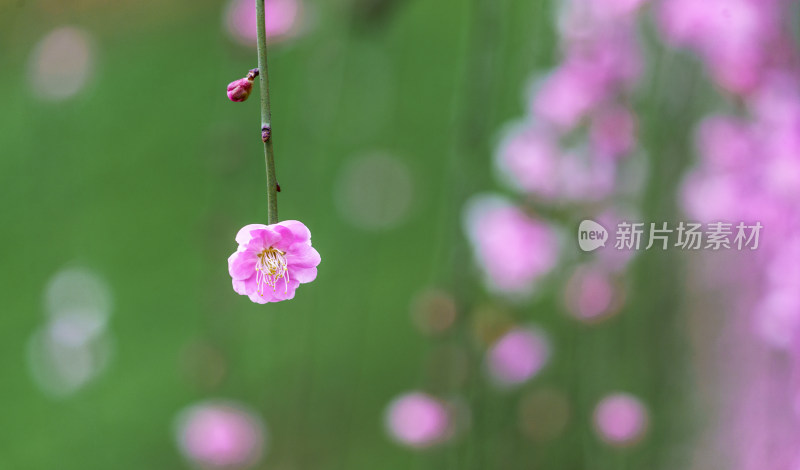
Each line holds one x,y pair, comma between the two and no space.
145,176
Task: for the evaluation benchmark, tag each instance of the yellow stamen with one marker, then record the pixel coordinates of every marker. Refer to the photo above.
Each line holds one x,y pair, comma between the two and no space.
270,267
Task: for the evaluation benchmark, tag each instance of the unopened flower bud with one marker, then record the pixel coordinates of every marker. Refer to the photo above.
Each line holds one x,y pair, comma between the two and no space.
239,90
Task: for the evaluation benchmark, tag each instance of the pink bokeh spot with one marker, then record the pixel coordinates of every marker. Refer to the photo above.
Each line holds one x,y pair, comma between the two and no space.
590,293
240,20
518,356
620,419
220,435
417,420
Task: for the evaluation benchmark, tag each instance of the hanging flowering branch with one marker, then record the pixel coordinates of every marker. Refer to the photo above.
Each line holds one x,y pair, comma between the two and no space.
271,260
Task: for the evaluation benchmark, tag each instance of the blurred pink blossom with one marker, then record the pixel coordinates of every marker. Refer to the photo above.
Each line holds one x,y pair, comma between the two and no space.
272,261
610,57
776,104
783,272
528,160
620,419
778,317
566,95
613,131
601,59
711,198
591,293
580,18
416,419
582,177
614,9
518,356
220,435
240,19
725,142
513,249
748,171
733,36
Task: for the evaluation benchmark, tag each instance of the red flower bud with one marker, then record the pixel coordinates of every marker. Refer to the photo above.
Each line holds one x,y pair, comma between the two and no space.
239,90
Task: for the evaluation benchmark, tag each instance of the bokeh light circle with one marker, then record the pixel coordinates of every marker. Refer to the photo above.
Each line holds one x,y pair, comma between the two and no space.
518,356
61,64
374,192
78,290
433,311
280,19
620,419
592,294
220,434
418,420
60,365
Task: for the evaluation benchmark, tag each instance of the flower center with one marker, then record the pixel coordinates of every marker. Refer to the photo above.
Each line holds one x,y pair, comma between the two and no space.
270,267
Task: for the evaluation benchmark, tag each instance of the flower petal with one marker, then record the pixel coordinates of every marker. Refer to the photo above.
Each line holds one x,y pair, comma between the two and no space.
246,286
286,239
242,265
265,296
298,229
302,256
303,275
285,291
244,236
262,239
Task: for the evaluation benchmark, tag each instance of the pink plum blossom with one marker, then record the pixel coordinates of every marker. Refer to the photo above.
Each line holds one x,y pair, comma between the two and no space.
514,249
272,261
417,419
620,419
517,356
